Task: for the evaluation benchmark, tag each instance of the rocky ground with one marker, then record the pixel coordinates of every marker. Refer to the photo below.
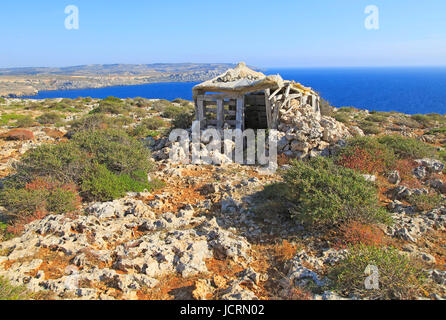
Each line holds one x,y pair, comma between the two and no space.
204,235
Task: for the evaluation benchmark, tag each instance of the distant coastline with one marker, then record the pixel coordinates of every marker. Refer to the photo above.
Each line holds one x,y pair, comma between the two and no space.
22,82
406,90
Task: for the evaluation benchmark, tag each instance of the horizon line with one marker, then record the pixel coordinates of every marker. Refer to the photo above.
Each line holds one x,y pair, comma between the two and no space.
262,67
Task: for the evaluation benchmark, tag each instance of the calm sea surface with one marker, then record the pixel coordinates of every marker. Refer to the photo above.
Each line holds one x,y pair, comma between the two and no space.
408,90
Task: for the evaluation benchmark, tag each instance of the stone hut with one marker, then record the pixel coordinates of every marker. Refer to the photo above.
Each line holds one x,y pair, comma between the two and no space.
242,98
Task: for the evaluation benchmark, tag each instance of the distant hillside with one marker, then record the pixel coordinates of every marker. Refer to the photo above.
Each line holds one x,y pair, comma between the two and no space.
118,69
16,82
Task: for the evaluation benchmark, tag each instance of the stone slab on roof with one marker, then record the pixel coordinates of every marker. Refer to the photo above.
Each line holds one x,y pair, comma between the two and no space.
242,80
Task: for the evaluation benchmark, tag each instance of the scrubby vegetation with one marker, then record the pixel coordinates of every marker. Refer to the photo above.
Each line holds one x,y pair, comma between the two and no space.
112,105
406,148
399,277
6,118
100,165
378,155
360,197
25,122
369,127
183,120
324,193
41,195
49,118
148,127
366,155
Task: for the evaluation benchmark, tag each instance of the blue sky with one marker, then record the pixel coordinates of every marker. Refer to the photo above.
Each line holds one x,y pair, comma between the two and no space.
281,33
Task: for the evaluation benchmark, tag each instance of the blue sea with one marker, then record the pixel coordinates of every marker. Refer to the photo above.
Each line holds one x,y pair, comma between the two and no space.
408,90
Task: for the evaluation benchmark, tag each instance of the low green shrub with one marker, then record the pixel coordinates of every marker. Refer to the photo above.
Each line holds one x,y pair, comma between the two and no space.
324,193
101,184
104,164
347,109
428,120
408,148
183,120
160,105
399,277
49,118
375,117
148,127
273,200
407,121
115,149
342,117
172,111
25,122
97,121
112,105
40,196
369,127
154,123
64,162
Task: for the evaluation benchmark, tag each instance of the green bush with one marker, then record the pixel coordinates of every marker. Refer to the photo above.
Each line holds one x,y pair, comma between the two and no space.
2,100
103,164
183,102
64,162
49,118
112,105
376,118
408,148
41,196
342,117
100,184
115,149
153,123
347,109
399,278
148,127
25,122
160,105
172,111
183,120
68,161
324,193
404,120
98,121
428,120
369,127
